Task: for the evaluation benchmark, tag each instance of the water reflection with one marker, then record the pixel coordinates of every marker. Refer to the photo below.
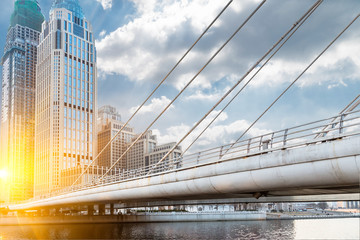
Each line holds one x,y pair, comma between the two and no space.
297,229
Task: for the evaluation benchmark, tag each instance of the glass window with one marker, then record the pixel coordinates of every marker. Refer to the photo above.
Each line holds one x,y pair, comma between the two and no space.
70,38
69,26
65,80
69,16
86,25
70,79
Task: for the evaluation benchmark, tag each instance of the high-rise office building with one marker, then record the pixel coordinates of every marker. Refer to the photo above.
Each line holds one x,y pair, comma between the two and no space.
18,100
109,124
65,95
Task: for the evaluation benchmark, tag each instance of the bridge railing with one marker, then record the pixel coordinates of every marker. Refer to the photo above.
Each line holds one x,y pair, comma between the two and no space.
316,132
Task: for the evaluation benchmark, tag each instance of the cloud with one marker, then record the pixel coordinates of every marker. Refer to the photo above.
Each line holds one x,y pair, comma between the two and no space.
102,33
106,4
156,105
146,48
219,133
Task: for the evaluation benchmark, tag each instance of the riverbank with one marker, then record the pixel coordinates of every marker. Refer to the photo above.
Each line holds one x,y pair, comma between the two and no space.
146,217
298,215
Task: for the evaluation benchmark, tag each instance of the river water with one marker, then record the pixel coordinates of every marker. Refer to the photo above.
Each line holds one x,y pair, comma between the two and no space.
348,228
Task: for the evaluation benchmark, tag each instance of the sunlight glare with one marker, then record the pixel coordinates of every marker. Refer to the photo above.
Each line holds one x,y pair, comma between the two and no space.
3,174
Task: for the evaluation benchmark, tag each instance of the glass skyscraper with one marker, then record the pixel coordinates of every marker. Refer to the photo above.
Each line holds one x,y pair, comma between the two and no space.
18,100
66,99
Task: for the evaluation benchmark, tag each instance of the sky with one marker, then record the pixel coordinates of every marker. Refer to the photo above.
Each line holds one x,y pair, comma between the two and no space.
139,41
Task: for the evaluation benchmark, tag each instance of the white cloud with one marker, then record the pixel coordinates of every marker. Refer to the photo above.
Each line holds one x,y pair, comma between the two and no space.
147,47
336,64
217,134
156,105
102,33
106,4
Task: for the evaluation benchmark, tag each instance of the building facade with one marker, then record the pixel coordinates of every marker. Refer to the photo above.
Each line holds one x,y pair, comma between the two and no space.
18,100
171,162
144,146
65,95
109,124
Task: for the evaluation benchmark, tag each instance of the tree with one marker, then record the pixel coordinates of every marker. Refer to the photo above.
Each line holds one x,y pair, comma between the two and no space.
322,205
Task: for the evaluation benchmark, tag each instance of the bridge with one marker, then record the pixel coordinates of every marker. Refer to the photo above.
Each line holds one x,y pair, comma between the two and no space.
318,158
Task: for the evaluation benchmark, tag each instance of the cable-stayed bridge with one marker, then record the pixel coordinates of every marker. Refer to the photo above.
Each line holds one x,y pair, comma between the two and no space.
318,158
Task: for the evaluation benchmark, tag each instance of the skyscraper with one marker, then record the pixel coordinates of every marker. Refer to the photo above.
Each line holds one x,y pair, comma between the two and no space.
18,99
66,99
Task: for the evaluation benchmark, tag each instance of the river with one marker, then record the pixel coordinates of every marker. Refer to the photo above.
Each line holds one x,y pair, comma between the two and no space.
348,228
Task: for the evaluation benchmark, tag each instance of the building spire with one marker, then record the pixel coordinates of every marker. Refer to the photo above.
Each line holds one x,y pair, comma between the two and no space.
71,5
27,13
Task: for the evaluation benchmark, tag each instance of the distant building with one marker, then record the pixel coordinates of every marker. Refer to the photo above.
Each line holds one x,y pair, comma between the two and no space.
66,95
157,153
109,124
143,153
136,155
18,100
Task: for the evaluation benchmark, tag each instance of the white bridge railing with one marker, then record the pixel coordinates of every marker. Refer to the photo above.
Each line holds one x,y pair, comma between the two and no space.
340,126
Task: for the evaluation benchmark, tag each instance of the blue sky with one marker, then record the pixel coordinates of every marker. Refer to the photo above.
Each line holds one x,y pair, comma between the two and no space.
139,41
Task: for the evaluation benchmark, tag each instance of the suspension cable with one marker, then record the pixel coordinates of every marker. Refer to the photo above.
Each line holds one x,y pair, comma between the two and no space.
236,84
186,86
262,66
152,93
331,43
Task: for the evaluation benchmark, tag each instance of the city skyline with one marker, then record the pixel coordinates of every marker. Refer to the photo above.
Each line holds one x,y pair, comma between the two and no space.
319,94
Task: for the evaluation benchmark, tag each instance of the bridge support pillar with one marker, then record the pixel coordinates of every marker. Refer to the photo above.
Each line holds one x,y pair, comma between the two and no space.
57,211
101,209
90,210
111,209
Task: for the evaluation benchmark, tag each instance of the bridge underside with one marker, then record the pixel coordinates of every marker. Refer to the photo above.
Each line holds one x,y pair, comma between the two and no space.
315,172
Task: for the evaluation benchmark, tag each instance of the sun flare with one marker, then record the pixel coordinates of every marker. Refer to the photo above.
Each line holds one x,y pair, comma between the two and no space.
3,174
